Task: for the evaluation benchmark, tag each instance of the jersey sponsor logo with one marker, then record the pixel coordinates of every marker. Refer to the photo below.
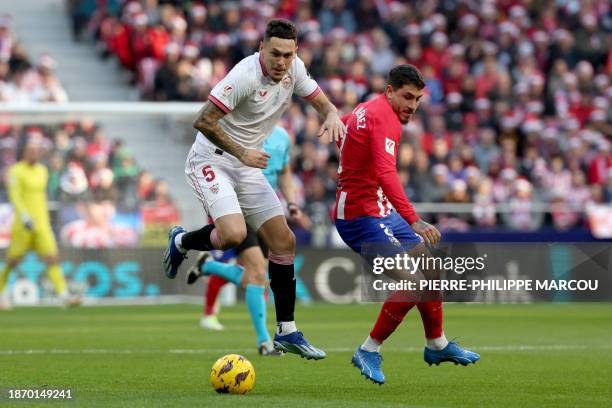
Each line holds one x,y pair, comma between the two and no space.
390,146
227,89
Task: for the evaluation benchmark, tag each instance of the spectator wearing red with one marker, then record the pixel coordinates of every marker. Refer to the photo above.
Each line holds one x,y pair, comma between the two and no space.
437,54
146,186
437,132
486,81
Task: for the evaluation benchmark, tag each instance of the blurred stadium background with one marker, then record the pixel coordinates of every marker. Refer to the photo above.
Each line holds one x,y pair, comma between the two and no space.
511,144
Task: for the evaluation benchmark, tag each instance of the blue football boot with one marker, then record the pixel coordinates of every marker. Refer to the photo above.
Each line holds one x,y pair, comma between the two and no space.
173,257
369,363
296,343
453,353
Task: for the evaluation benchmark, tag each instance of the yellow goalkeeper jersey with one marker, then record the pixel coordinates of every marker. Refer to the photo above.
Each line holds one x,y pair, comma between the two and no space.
27,188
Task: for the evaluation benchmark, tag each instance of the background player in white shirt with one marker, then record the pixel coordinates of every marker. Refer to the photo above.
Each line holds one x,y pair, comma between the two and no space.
223,168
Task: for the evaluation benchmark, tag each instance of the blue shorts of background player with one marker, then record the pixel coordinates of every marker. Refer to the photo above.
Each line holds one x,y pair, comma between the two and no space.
388,235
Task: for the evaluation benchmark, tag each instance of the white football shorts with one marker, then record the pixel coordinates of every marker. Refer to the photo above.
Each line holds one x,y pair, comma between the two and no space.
226,186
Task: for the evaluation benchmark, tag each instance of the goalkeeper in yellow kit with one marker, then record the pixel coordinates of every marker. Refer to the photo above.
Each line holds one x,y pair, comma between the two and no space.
27,189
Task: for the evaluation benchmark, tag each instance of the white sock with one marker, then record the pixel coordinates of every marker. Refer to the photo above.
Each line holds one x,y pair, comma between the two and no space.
267,344
370,345
178,241
64,295
438,343
284,328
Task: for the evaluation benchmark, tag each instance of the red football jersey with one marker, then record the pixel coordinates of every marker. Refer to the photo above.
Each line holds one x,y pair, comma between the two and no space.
368,183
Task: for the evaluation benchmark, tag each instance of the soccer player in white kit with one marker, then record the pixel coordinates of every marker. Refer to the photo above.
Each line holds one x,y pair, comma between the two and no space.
223,168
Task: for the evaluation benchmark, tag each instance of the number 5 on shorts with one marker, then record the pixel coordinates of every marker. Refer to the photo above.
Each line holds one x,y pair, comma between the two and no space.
209,174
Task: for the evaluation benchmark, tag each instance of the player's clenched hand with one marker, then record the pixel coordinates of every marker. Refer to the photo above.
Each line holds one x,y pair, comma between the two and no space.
332,129
255,158
430,234
295,214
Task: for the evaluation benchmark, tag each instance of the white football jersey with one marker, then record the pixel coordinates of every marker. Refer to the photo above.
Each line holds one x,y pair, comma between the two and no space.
254,103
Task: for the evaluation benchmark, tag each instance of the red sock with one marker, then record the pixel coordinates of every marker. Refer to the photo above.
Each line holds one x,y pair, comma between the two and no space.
431,315
391,315
215,283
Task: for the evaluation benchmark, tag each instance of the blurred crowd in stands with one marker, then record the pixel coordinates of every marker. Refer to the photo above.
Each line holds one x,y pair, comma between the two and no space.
22,80
98,194
517,109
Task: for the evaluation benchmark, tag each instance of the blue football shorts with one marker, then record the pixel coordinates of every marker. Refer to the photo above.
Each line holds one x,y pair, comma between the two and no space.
371,236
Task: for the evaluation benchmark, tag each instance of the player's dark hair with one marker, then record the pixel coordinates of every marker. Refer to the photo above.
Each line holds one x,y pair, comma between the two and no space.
405,74
281,28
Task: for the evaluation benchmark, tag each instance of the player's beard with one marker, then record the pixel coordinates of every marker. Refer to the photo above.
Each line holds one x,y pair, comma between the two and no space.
278,74
408,116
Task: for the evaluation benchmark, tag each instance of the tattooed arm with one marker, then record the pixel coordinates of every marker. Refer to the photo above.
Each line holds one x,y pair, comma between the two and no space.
207,123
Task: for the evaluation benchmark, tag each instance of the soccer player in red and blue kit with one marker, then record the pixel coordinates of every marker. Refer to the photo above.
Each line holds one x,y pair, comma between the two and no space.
371,207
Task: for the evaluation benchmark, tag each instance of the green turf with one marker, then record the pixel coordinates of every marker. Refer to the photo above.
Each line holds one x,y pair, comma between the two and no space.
545,355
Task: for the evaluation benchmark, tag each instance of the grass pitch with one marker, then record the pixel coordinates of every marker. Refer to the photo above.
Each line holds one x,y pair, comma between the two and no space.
540,355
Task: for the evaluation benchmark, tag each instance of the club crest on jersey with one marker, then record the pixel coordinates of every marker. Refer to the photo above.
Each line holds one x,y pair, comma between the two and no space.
263,93
227,89
286,82
390,146
214,188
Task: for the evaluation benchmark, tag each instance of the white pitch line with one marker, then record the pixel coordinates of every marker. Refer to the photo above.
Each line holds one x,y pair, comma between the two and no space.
517,348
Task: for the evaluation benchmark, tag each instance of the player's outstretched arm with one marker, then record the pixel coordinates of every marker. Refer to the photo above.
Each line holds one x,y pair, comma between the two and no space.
207,122
332,128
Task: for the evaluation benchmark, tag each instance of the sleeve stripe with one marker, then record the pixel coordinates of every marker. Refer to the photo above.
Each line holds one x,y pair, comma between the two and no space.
219,104
313,94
